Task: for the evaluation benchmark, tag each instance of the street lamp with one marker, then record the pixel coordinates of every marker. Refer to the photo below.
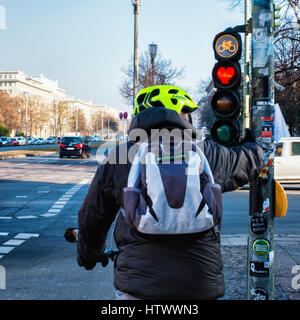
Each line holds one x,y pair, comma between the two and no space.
55,120
152,52
26,116
76,119
136,4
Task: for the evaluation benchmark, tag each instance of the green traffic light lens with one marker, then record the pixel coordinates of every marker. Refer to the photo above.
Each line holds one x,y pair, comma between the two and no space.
224,134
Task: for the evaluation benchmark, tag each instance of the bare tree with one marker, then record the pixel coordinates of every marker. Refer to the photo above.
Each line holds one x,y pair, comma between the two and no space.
162,72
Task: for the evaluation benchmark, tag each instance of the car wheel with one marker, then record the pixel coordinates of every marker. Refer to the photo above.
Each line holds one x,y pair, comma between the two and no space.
60,155
82,155
88,155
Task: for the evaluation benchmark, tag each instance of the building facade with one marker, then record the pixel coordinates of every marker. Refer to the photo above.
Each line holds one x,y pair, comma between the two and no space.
19,84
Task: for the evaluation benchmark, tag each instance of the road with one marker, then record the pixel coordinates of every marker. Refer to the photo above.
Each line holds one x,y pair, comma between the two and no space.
40,198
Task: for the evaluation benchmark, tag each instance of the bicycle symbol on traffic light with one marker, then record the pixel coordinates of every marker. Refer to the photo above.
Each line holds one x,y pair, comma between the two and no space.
227,45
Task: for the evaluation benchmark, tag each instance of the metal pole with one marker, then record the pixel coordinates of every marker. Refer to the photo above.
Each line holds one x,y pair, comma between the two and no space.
107,128
246,83
135,56
26,116
76,114
55,120
260,284
102,123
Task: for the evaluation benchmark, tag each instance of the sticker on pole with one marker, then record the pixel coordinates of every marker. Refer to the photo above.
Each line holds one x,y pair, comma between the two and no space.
261,247
258,224
259,294
259,269
121,115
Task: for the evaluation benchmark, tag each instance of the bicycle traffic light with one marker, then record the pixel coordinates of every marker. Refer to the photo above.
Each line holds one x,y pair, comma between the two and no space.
276,16
226,76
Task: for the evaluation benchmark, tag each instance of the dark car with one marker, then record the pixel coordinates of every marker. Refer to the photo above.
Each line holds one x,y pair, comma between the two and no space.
14,142
74,146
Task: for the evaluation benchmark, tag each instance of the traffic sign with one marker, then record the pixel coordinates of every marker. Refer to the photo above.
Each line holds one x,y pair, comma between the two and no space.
125,115
121,115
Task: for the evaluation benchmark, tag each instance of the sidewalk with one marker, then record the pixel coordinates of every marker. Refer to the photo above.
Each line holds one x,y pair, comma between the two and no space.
286,256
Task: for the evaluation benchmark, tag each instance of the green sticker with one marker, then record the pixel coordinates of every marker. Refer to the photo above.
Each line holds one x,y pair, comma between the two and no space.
261,247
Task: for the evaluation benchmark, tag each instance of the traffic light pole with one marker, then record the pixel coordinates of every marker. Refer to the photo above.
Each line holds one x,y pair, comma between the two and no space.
246,80
260,280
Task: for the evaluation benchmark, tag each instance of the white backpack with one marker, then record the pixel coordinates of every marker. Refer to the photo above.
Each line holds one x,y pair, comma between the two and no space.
171,190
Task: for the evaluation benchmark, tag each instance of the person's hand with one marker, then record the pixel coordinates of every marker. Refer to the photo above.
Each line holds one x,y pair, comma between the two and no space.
249,137
88,264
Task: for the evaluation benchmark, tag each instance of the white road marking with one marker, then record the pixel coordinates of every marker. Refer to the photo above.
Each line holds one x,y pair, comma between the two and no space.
21,164
27,217
6,249
66,165
47,215
58,206
26,235
54,210
5,218
1,257
60,202
21,196
13,242
4,234
44,191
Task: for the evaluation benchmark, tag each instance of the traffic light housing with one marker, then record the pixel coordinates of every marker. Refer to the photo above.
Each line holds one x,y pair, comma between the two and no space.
226,101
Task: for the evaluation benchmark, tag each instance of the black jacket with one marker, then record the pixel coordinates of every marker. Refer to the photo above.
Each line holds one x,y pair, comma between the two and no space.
148,267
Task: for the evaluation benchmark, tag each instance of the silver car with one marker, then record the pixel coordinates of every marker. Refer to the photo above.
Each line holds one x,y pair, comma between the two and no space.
287,160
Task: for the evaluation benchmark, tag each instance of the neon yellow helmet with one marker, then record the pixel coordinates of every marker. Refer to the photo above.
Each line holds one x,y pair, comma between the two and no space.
166,96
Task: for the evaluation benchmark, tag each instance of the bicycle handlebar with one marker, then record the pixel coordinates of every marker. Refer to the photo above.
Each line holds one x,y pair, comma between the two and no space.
71,235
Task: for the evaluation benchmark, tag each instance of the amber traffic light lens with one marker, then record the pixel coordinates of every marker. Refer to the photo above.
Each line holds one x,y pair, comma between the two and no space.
226,104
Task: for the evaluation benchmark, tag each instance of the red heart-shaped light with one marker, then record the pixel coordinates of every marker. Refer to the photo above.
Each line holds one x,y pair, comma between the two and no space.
225,74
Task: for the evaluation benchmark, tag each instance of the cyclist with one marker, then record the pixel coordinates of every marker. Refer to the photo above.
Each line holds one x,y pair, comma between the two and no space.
160,267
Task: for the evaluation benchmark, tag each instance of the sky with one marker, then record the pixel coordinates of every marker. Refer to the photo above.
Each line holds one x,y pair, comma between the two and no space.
84,44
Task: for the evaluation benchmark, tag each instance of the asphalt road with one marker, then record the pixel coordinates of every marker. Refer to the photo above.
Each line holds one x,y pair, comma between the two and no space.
40,198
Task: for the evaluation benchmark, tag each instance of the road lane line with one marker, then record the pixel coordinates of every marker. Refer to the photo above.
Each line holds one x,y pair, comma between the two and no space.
26,235
54,210
47,215
27,217
13,242
21,196
4,234
6,249
5,218
60,202
66,165
58,206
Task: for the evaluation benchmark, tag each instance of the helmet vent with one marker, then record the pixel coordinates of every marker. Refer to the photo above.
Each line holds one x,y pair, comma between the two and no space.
173,91
174,101
141,98
157,104
188,97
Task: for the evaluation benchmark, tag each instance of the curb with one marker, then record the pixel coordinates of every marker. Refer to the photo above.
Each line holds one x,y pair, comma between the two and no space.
40,153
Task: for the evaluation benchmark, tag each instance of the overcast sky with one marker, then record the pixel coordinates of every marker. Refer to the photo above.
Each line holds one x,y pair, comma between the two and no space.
84,43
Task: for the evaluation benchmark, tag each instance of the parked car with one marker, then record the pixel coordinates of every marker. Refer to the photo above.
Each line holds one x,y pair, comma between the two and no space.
98,138
4,142
22,141
74,146
287,160
30,140
42,140
50,140
14,142
36,141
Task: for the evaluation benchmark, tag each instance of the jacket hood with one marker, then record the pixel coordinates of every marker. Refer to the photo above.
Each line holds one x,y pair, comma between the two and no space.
159,118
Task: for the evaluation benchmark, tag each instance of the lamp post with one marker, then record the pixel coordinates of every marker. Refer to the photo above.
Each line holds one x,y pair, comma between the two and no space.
152,52
76,114
26,116
55,120
136,4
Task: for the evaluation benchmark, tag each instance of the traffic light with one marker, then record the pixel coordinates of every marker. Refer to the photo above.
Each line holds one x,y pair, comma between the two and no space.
226,74
276,16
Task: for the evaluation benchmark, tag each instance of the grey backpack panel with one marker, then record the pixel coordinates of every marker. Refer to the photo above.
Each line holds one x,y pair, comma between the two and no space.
171,197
